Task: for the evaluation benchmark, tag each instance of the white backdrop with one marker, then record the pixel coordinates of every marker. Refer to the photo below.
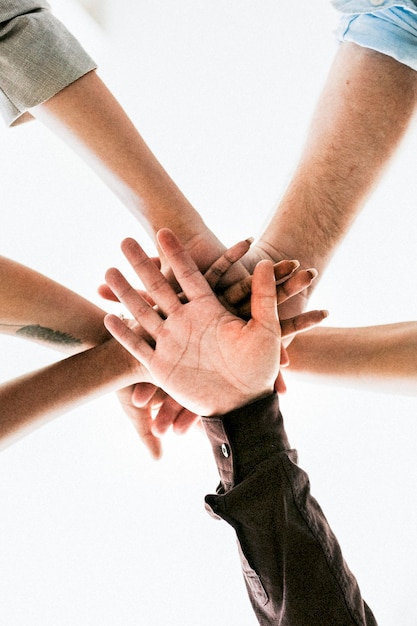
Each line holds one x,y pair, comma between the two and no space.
92,532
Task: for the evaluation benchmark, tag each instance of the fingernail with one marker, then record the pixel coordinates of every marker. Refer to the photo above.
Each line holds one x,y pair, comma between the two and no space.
250,240
313,273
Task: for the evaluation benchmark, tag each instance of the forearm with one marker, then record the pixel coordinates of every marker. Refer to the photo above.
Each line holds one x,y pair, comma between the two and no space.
362,114
46,72
36,398
35,307
87,117
382,357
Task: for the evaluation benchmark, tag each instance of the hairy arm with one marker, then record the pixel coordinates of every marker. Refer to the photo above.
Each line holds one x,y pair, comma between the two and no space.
362,114
377,357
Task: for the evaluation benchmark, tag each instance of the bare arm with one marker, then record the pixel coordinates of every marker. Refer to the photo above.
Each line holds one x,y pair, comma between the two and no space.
35,307
377,357
87,116
362,114
33,399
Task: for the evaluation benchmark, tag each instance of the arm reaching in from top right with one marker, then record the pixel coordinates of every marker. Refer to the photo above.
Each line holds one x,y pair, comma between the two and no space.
346,150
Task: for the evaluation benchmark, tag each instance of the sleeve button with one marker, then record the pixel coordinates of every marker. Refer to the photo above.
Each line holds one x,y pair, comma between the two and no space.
225,450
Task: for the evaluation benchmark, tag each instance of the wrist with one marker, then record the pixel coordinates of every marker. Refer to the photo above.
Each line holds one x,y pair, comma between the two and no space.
245,437
229,404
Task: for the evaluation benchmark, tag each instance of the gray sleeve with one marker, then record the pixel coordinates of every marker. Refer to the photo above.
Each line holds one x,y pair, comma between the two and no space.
38,57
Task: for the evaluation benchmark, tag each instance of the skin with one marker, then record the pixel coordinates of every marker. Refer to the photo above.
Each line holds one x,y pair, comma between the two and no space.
35,307
88,118
381,357
199,347
346,151
100,365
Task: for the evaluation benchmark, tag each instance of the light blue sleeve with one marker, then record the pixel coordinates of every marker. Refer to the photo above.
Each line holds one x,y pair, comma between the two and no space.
38,57
391,31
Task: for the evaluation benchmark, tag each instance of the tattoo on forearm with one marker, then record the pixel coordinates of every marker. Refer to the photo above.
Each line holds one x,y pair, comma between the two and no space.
41,333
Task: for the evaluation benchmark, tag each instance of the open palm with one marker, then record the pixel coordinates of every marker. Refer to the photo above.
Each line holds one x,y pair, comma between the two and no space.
206,358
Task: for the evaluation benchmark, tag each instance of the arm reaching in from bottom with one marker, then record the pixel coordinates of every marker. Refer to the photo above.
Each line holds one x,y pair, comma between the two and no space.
221,366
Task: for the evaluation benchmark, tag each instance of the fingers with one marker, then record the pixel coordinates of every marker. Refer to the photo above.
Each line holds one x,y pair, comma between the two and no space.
302,322
284,269
143,393
288,284
171,413
142,421
241,290
192,282
284,358
184,420
219,268
140,309
154,282
131,341
107,294
280,386
295,284
264,297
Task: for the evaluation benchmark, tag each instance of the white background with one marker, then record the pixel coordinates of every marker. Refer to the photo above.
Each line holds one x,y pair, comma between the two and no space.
92,532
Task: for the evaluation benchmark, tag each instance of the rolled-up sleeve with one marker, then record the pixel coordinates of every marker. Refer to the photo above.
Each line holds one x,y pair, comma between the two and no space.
38,57
387,27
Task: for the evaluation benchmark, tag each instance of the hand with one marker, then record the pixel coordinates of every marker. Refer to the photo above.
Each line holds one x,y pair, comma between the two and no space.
205,250
151,412
213,274
293,307
289,284
141,417
200,348
164,411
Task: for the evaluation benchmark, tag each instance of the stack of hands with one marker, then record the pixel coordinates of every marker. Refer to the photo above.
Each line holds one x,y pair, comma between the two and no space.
207,350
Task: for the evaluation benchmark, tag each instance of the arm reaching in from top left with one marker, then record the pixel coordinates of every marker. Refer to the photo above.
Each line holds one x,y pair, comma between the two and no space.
88,118
46,74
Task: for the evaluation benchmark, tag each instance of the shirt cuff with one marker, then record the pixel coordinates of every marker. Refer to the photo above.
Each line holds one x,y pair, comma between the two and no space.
391,31
244,438
38,58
